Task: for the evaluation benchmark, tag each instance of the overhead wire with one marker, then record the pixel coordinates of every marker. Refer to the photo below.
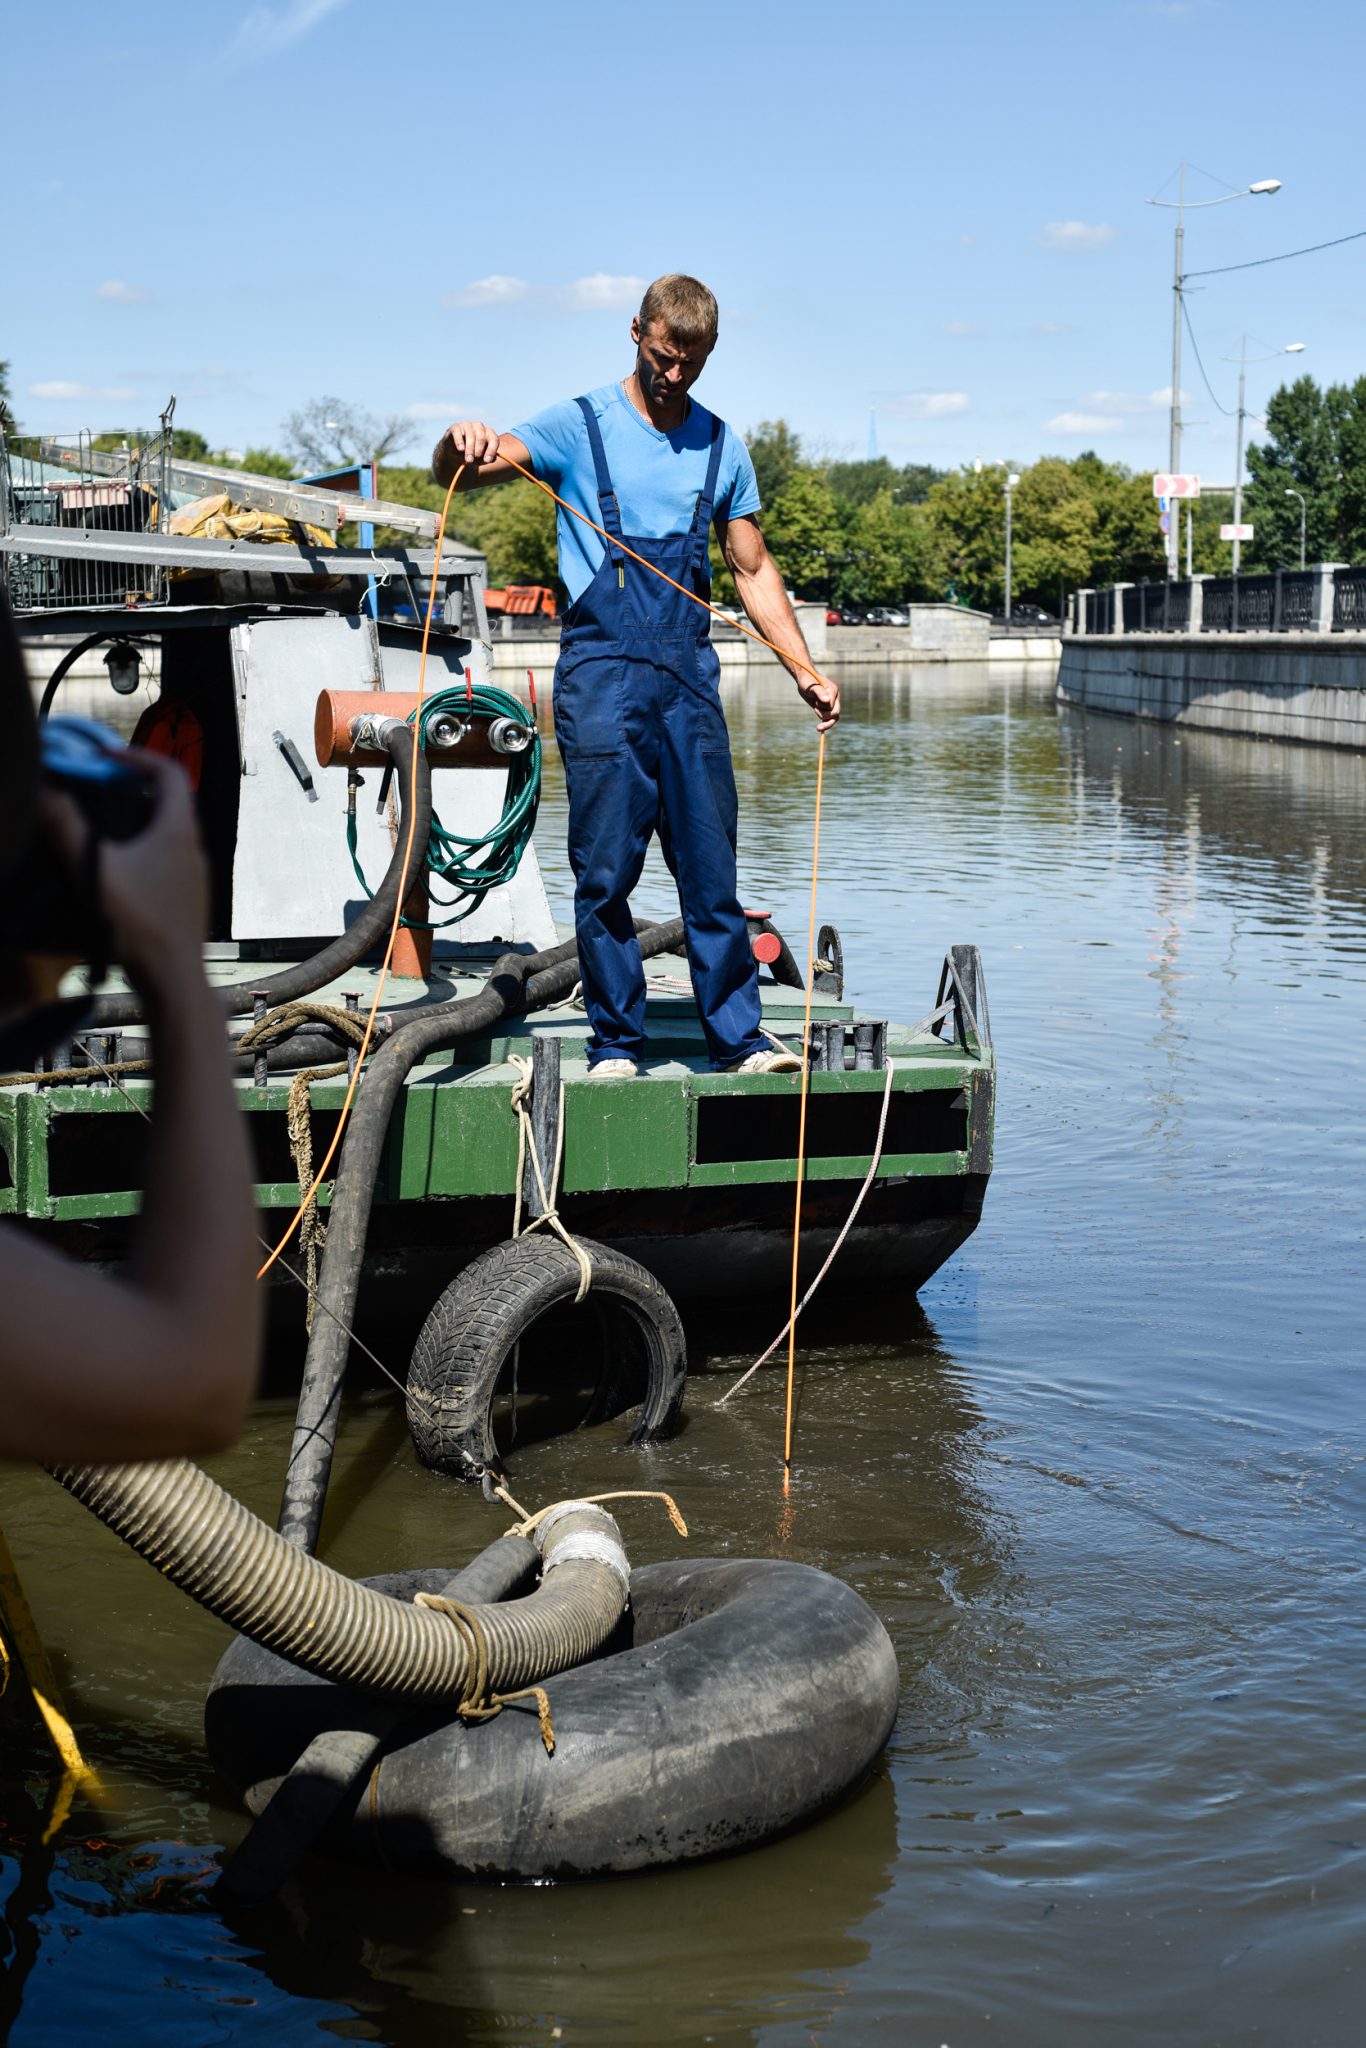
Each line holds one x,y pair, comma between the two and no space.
1228,410
1258,262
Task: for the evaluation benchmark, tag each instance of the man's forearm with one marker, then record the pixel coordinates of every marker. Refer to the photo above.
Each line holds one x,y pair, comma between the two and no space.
197,1237
769,610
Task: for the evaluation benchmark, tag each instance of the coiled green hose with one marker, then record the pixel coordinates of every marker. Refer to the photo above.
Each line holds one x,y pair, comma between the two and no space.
473,866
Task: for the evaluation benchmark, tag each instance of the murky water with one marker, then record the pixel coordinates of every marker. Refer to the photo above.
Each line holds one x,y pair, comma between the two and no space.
1105,1485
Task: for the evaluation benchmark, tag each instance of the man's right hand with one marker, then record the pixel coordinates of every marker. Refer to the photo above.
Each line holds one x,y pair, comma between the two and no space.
471,441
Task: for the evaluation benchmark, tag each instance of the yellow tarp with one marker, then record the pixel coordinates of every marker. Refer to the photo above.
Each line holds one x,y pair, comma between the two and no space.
218,518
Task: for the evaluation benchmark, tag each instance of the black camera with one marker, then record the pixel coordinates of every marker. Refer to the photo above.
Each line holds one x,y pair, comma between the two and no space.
48,907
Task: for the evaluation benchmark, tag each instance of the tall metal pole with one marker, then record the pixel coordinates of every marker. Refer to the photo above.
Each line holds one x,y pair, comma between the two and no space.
1238,468
1300,495
1009,495
1174,450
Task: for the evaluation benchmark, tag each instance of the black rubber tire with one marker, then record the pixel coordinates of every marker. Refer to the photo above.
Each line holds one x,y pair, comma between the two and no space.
491,1306
739,1698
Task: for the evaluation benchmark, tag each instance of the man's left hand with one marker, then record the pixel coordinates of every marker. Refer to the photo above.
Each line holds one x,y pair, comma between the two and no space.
822,693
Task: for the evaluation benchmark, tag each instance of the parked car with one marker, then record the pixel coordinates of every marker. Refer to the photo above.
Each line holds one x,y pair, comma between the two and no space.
1025,615
832,617
887,615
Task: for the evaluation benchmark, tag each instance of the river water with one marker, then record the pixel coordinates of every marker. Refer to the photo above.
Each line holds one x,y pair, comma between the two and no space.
1104,1483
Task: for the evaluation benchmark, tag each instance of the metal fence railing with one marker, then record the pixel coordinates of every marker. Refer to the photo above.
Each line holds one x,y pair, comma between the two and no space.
1321,599
106,485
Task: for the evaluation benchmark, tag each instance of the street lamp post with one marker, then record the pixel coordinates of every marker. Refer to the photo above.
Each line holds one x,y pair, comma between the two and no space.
1292,348
1011,480
1180,204
1300,495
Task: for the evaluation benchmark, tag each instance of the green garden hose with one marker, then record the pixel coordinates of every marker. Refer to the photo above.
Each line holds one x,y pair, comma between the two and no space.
473,866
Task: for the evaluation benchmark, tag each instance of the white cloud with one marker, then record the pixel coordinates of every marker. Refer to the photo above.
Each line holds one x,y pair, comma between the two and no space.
428,409
599,293
57,387
603,294
122,294
1052,327
266,31
1077,235
489,291
928,405
1085,423
960,330
1122,404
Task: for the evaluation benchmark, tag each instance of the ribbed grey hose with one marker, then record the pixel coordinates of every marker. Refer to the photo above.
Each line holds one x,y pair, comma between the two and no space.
238,1567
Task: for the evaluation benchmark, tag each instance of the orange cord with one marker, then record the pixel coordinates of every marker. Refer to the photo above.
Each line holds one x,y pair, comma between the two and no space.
801,1121
320,1175
622,548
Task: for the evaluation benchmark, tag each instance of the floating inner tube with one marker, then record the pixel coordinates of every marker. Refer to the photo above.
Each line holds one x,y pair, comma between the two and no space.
738,1698
498,1301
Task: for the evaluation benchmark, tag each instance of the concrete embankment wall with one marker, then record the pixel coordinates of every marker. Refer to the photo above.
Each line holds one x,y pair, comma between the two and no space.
1275,686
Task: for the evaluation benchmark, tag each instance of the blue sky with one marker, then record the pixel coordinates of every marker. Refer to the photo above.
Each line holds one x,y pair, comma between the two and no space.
440,209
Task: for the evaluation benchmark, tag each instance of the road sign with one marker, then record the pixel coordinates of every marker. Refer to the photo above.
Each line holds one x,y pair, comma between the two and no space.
1235,533
1175,486
1165,522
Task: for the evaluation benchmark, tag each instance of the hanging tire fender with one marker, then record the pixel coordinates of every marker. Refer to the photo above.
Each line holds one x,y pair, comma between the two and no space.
490,1306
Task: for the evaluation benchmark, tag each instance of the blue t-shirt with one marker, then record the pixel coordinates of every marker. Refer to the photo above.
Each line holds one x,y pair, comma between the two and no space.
656,476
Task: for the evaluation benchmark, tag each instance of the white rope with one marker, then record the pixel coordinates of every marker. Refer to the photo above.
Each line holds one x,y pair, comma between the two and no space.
521,1088
869,1178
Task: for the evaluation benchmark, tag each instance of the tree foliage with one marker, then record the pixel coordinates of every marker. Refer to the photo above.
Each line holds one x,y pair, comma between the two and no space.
329,433
7,419
1316,444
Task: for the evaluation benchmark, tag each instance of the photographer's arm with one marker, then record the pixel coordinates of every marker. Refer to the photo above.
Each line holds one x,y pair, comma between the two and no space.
161,1362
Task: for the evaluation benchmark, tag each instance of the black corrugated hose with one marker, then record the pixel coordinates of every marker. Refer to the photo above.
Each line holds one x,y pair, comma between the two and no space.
518,983
370,929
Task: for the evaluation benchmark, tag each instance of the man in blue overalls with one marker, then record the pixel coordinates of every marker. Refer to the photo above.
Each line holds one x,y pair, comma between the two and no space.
637,709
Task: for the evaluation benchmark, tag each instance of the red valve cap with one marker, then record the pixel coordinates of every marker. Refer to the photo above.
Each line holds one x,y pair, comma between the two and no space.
766,947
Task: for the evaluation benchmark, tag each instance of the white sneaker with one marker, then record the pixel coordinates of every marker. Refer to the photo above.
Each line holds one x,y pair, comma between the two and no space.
768,1060
613,1070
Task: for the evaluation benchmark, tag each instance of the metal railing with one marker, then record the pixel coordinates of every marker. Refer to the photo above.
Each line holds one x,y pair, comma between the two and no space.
68,484
1327,598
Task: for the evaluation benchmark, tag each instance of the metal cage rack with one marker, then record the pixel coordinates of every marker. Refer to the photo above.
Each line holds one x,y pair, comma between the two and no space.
66,481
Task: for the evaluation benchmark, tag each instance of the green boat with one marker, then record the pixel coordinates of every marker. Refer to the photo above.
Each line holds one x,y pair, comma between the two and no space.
688,1173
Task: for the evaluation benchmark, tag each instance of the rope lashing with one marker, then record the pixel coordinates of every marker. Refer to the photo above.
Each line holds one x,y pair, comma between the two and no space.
278,1025
477,1702
526,1138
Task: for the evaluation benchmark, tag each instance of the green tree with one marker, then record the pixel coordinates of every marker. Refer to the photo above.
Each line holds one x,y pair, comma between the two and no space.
804,534
1129,543
886,558
858,483
1055,528
7,419
965,517
776,453
1302,451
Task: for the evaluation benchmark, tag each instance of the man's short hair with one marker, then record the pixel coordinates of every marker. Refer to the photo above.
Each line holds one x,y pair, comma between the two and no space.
684,308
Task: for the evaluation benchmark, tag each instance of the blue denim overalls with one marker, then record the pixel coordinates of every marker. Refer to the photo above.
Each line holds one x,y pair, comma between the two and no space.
639,723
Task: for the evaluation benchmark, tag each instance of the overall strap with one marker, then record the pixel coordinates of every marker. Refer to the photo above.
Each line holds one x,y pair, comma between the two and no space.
607,497
706,497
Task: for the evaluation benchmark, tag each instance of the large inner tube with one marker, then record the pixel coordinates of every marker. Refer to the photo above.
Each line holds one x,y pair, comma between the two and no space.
371,927
738,1698
490,1308
240,1569
518,983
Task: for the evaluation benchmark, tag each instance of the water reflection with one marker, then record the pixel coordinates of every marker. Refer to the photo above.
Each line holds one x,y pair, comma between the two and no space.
1104,1484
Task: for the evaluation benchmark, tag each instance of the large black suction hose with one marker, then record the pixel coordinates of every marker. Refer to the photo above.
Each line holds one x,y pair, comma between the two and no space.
370,929
518,983
240,1569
